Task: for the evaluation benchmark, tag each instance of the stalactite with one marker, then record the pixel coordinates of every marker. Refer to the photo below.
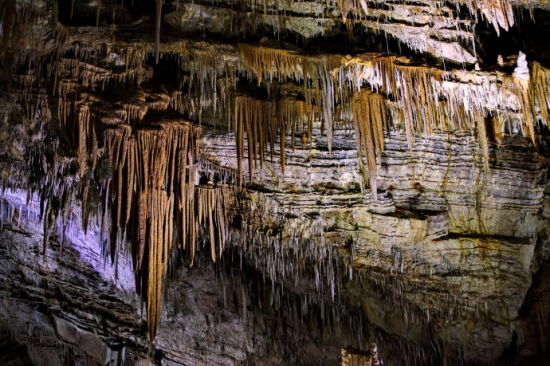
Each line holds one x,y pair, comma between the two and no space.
324,88
158,19
98,11
83,126
159,243
370,116
265,123
271,63
520,82
497,125
482,138
130,176
182,104
539,91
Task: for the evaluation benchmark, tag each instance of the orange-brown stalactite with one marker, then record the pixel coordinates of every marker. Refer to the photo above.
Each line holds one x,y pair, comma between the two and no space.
83,128
370,118
483,142
264,123
156,164
159,244
539,92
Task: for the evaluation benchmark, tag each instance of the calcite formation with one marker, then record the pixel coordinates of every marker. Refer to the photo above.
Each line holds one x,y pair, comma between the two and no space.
367,178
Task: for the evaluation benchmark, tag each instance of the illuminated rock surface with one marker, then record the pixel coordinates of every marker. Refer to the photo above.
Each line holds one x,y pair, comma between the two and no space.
274,182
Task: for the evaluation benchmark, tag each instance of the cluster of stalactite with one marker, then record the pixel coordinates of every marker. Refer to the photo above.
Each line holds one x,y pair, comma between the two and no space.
425,105
499,13
412,88
203,83
428,97
313,72
266,122
153,192
154,167
420,99
157,204
147,171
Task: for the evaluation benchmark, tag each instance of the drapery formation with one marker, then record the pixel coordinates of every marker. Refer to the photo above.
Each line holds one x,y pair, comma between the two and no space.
266,122
370,117
418,99
156,204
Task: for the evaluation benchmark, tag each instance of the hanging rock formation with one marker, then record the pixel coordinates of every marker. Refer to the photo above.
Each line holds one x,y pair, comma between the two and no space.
281,182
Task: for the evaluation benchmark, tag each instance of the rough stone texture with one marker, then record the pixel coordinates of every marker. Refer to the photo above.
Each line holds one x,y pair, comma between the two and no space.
431,26
456,244
69,307
447,262
59,302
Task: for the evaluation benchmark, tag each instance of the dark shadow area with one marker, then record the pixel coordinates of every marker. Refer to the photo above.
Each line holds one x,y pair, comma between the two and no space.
530,35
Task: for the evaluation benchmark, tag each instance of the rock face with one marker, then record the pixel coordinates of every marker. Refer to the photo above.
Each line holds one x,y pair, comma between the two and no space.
376,182
66,306
448,242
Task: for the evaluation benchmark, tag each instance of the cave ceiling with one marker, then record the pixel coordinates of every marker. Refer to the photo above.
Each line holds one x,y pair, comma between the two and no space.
324,182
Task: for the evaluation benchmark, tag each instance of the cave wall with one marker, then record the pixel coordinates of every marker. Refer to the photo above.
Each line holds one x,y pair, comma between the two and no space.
428,235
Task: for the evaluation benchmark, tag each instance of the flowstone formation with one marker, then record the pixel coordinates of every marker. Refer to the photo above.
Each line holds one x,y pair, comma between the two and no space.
274,182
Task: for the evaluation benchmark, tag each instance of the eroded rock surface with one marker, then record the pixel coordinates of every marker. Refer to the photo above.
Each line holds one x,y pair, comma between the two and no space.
388,162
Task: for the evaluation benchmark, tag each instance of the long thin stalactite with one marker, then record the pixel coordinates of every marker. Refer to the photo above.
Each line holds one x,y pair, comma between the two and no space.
153,193
370,117
263,123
